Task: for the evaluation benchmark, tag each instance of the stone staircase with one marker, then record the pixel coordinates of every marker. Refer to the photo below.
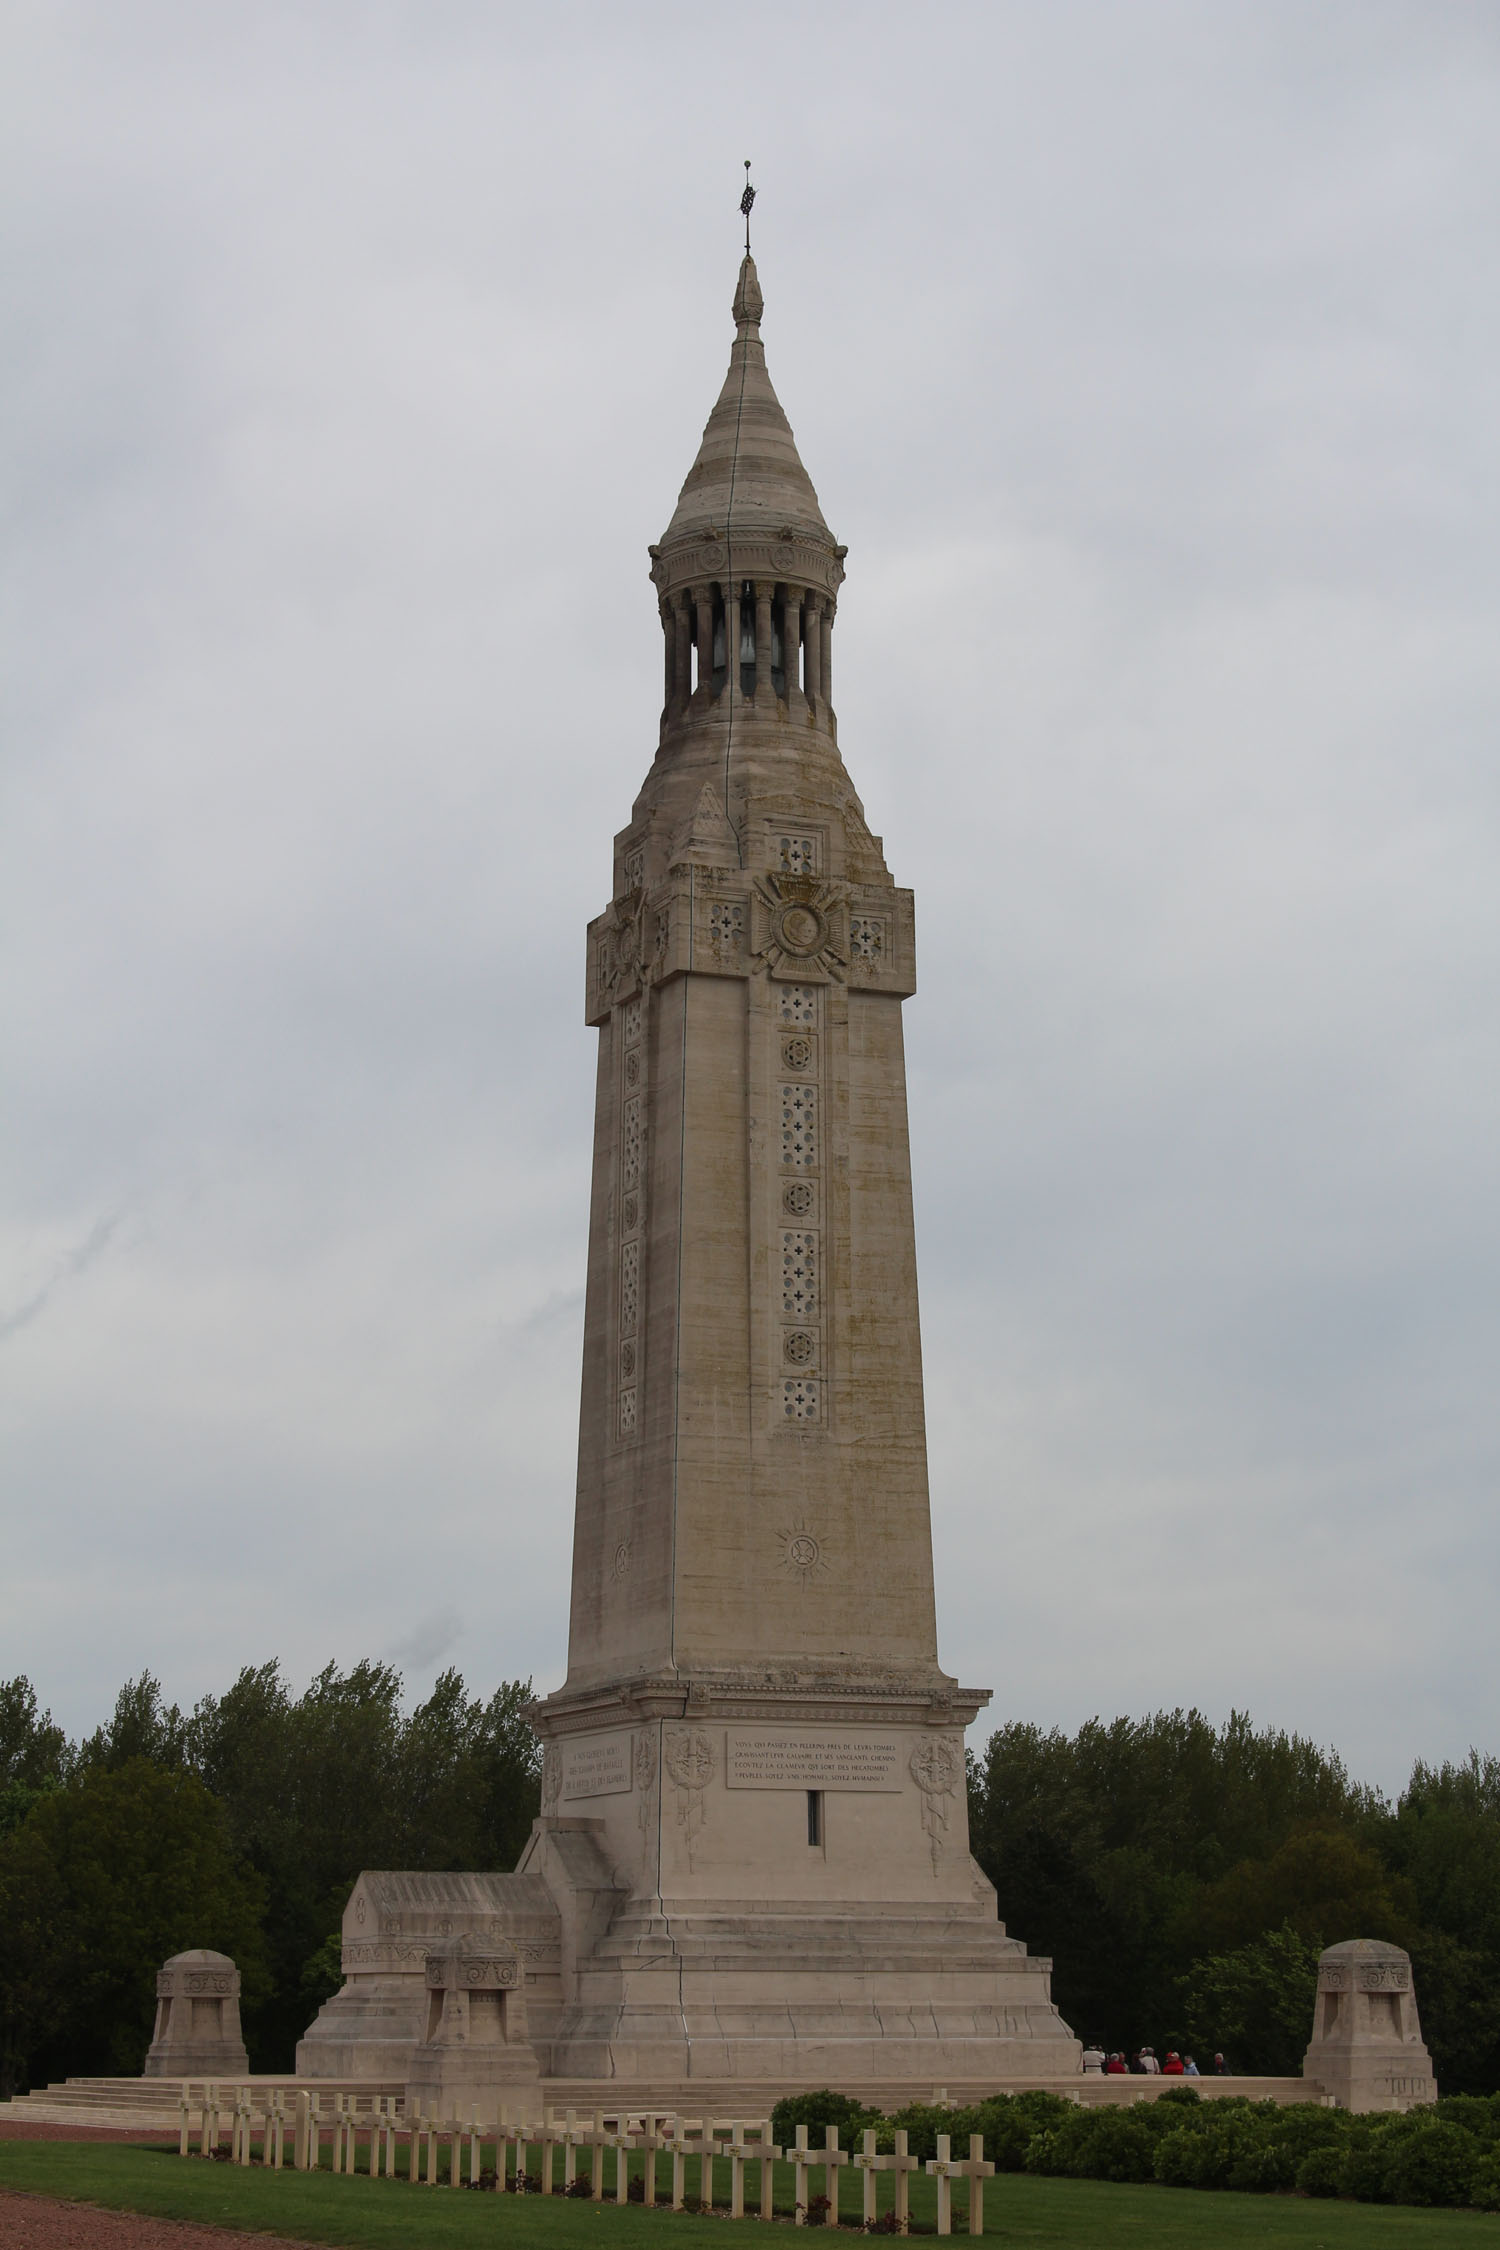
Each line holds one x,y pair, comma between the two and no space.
151,2104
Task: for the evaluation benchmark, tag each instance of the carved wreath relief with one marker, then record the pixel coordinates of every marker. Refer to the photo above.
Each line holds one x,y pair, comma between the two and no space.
936,1766
643,1774
688,1755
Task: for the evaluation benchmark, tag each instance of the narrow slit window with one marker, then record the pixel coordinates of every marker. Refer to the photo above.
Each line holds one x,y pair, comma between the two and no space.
719,651
815,1819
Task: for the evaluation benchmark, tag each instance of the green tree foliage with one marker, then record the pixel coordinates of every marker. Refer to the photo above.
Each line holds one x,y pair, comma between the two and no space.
1321,1882
318,1786
1167,1866
305,1790
103,1880
1256,2001
142,1726
34,1754
1104,1845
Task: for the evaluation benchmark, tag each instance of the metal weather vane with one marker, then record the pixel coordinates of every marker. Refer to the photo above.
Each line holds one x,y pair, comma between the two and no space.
747,204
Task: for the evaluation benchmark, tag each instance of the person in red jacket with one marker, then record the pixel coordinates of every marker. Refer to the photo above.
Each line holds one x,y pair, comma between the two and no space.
1116,2067
1172,2067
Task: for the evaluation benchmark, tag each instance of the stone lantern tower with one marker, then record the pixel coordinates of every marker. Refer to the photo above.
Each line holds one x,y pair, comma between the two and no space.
754,1780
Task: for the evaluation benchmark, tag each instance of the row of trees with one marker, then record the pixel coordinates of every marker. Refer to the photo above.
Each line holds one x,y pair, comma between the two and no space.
1185,1879
240,1825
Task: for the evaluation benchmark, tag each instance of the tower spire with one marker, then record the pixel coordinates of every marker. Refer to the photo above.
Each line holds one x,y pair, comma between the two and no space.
747,205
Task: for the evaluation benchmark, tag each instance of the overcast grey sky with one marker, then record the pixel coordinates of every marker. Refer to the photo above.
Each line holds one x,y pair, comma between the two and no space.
1146,357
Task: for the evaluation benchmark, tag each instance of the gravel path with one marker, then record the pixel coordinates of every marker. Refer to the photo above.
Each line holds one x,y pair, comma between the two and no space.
40,2222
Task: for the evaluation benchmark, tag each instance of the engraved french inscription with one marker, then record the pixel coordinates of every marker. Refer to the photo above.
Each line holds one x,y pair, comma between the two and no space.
758,1758
597,1769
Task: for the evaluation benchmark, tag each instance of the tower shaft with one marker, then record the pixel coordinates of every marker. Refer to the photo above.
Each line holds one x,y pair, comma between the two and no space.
754,1775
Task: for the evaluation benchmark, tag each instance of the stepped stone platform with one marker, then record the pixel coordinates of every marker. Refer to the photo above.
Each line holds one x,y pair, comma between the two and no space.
151,2104
147,2104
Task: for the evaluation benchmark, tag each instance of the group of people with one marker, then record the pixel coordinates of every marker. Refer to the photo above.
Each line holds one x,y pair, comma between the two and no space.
1146,2064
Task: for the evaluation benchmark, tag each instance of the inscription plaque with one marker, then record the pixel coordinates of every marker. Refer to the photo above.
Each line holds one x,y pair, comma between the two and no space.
758,1759
597,1769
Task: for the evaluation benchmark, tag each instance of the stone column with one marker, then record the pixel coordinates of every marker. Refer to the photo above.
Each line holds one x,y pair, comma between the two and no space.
669,658
814,644
764,692
732,637
703,602
682,634
825,652
791,638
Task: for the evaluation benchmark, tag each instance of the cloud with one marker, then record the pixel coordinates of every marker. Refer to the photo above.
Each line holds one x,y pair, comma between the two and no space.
431,1637
77,1261
1144,359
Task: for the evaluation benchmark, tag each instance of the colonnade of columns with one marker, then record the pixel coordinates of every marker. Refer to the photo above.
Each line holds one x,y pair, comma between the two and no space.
694,618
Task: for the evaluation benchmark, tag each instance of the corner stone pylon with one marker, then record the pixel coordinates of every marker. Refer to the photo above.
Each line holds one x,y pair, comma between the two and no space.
753,1817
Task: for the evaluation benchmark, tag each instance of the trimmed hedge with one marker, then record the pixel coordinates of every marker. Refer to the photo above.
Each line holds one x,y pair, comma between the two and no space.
1447,2155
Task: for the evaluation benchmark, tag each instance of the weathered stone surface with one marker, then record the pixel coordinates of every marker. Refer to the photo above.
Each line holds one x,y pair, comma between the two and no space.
752,1860
474,2045
1367,2048
197,2029
755,1721
393,1925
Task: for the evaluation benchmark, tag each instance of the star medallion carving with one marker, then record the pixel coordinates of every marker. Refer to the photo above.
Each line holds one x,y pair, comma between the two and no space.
806,923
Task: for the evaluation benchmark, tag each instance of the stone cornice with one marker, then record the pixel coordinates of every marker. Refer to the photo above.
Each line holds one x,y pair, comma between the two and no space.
790,1698
786,558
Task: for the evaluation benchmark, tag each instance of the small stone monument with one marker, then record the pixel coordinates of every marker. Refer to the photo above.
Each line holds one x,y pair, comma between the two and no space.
197,2019
477,2046
1367,2043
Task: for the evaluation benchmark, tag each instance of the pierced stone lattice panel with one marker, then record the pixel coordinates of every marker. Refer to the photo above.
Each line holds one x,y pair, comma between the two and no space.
799,1275
797,1052
799,1128
867,937
630,1287
632,1150
797,1003
726,926
800,1400
798,1197
631,1143
797,855
799,1347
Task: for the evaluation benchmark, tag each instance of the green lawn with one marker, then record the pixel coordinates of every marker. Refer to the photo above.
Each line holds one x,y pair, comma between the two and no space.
1078,2214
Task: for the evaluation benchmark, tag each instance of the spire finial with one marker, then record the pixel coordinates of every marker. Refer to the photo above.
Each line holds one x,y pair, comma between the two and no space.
747,205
